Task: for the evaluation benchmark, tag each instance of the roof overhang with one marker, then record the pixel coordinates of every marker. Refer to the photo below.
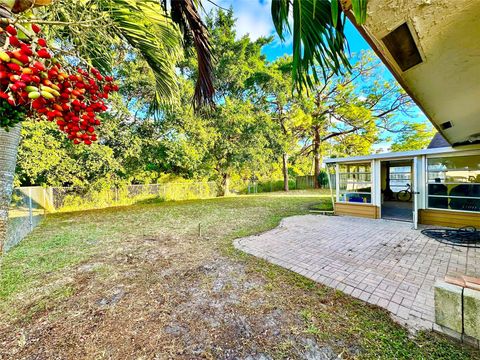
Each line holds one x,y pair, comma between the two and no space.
445,83
467,150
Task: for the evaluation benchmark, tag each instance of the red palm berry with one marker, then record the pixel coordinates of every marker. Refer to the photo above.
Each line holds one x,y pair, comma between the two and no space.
11,30
42,42
44,54
14,41
36,29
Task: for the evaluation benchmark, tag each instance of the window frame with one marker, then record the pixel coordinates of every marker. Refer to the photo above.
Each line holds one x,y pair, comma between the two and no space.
428,182
339,192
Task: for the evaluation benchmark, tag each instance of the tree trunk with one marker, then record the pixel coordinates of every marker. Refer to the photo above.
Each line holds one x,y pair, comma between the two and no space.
8,158
8,154
317,157
225,185
285,171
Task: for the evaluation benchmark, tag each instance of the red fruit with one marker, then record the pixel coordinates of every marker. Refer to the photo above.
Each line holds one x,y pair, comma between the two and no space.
26,49
36,29
36,79
14,41
11,101
60,122
11,30
115,87
76,141
87,142
52,73
26,78
13,67
42,42
4,75
108,78
39,66
24,59
3,95
38,103
21,84
44,54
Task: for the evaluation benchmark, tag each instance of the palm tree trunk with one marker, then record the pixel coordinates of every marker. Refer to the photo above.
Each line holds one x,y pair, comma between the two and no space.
285,171
8,153
8,158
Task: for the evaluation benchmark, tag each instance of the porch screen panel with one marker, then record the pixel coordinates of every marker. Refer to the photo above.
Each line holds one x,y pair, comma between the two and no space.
454,183
355,183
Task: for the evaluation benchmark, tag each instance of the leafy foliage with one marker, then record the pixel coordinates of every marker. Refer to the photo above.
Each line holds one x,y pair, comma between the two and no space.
417,137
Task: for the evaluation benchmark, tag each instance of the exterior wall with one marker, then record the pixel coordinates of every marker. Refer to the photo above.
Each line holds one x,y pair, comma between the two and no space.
448,218
360,210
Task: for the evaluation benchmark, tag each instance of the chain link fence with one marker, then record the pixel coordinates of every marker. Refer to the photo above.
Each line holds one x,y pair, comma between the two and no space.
74,199
30,204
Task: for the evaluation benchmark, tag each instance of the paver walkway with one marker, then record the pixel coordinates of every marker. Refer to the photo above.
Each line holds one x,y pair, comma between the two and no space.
382,262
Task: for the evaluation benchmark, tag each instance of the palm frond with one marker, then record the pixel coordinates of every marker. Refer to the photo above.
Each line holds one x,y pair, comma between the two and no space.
147,29
185,13
319,41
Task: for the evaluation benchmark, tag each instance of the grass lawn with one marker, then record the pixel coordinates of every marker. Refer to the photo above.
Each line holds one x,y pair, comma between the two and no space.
163,281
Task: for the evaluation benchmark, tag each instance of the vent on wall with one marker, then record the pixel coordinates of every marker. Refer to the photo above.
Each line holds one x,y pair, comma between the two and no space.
401,45
446,125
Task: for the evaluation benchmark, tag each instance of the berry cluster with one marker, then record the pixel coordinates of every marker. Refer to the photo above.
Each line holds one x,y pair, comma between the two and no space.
33,80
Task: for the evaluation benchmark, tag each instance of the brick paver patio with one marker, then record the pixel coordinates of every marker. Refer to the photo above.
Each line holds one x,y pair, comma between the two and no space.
382,262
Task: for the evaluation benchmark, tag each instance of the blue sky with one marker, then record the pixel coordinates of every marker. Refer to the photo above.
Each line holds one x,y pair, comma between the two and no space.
254,18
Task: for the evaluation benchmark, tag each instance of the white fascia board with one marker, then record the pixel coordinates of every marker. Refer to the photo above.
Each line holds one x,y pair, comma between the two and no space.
403,154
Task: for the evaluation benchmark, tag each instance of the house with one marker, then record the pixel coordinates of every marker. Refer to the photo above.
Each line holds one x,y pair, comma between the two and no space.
432,49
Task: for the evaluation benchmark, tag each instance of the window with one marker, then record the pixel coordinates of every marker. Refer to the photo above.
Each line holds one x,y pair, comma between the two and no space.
400,176
355,183
454,183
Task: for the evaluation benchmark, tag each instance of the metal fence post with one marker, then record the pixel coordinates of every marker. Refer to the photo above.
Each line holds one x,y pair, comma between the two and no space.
30,212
